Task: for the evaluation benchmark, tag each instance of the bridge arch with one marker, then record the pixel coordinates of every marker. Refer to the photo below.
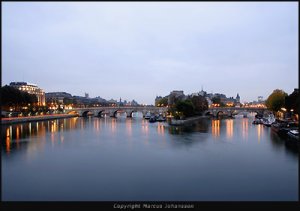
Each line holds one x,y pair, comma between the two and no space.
231,111
85,113
114,113
99,113
218,113
130,112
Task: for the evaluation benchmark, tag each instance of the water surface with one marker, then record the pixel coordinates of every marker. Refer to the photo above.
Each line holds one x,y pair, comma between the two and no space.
111,159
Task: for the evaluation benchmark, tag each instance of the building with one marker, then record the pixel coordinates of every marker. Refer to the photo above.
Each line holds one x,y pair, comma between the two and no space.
134,103
157,100
100,100
238,99
31,89
260,99
201,93
112,102
175,95
57,97
209,102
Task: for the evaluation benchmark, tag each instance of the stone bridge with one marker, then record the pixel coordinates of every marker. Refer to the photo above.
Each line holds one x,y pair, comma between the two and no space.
231,111
112,111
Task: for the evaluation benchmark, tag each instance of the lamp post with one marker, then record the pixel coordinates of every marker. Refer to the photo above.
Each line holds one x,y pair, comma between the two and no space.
292,114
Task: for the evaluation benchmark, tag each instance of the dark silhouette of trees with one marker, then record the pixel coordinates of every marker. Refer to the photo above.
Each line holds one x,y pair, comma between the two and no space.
276,100
200,104
216,100
11,96
163,101
190,106
293,101
186,107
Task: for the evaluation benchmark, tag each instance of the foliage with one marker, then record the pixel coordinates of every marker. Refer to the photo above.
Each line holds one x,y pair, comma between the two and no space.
276,100
11,96
189,107
293,102
216,100
186,107
200,104
163,101
173,100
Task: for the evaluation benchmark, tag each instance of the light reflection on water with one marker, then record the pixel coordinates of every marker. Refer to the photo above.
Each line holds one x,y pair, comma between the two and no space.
229,128
16,133
215,125
172,163
245,128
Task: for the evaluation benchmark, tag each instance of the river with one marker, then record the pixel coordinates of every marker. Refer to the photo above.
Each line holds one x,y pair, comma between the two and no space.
130,159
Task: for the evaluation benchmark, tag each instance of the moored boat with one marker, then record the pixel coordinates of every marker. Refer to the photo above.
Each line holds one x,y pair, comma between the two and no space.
160,118
294,134
286,127
267,121
152,119
147,116
293,138
257,121
276,126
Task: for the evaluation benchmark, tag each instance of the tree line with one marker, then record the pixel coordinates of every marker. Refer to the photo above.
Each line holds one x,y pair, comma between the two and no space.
187,107
280,99
10,96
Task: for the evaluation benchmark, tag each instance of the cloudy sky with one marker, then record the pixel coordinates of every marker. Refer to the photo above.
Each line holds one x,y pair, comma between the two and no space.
140,50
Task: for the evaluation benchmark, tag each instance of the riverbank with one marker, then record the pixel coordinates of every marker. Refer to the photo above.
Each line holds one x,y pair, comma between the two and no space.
187,121
13,120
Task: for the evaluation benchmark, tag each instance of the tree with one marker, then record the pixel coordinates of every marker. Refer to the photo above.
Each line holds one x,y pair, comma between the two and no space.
216,100
293,101
11,96
186,107
163,101
276,100
200,103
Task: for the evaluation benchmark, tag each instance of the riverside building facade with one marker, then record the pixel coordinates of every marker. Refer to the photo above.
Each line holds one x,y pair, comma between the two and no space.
31,89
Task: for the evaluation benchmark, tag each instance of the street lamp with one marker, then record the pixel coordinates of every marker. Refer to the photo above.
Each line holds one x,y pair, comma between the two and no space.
292,113
283,109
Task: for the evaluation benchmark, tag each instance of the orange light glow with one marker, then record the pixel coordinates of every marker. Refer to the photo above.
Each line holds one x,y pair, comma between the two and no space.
7,144
161,129
215,127
229,128
245,128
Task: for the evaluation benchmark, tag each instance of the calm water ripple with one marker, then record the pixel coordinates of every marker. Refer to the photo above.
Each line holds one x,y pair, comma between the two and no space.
102,159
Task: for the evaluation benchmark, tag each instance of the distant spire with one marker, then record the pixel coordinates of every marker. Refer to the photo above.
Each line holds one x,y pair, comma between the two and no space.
202,88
